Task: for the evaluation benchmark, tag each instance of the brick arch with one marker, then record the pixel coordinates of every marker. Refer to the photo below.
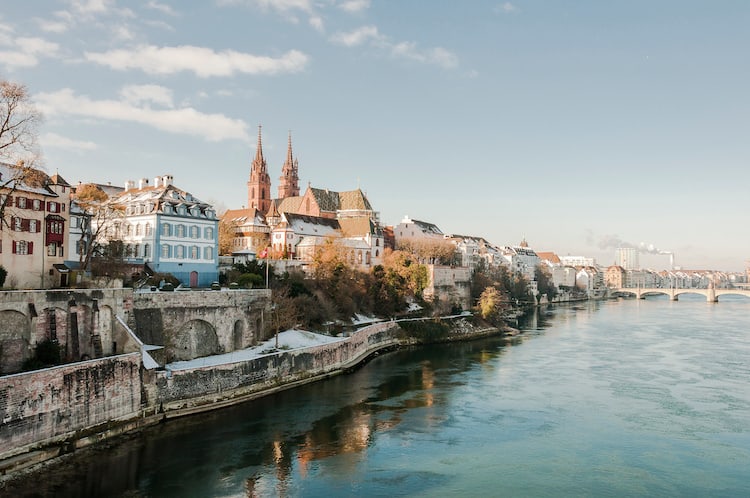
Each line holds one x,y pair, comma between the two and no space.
194,339
15,340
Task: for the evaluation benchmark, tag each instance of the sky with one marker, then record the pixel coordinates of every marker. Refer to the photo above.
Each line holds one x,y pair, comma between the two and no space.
579,126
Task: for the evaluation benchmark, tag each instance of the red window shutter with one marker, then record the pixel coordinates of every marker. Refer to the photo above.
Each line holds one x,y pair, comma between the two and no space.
31,247
39,226
14,247
25,224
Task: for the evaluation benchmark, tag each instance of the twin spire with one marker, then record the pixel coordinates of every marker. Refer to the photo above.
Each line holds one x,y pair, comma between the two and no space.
259,185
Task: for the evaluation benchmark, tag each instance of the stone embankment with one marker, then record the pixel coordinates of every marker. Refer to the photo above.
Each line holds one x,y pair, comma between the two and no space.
50,412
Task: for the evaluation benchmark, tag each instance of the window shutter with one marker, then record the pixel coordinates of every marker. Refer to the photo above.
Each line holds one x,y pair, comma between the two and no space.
31,247
14,247
25,225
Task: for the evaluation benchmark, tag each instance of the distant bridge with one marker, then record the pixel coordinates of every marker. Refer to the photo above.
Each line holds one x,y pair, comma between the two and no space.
712,295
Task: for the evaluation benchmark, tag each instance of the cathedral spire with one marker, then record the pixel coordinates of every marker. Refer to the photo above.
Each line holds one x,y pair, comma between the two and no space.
259,184
289,179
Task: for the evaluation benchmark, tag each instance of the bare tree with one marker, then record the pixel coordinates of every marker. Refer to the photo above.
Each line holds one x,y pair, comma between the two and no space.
19,121
99,218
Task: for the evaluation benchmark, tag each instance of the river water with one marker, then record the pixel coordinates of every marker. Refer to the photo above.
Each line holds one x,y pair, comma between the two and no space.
617,398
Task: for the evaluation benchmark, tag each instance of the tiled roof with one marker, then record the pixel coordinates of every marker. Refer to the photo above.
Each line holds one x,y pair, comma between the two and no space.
36,182
354,199
288,204
327,200
357,226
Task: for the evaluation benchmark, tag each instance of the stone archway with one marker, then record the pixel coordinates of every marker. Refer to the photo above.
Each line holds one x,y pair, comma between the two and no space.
194,339
15,340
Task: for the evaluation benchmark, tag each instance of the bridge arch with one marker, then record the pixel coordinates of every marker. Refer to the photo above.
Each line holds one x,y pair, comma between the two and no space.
194,339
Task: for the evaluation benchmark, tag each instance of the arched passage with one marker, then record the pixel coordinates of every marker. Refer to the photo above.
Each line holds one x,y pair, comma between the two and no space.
15,339
195,339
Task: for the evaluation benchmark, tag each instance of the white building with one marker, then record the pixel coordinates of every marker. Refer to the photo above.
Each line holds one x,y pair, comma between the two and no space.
627,257
169,230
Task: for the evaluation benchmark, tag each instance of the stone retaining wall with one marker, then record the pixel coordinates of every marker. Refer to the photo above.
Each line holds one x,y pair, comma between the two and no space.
205,386
41,407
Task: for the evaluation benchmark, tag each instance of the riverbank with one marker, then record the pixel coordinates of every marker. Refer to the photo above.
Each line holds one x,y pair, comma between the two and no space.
207,384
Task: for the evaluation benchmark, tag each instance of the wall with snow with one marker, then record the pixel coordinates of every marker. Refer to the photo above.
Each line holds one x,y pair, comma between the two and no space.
186,389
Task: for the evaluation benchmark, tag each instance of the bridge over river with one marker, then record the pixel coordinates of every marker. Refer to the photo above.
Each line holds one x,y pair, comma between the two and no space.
712,295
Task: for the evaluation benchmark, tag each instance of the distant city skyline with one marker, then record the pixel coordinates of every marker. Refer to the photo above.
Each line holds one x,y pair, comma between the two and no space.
579,126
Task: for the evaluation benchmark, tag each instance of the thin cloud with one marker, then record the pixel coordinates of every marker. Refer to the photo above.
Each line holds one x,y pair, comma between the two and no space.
185,121
24,51
91,6
287,9
162,7
54,140
137,94
52,26
354,5
204,62
507,8
357,37
405,50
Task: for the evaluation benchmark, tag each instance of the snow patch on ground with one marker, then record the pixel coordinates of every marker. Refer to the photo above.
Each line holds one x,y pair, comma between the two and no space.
288,340
359,319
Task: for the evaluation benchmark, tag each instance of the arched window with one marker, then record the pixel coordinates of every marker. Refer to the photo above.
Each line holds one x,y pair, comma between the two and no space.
148,229
146,250
166,229
166,251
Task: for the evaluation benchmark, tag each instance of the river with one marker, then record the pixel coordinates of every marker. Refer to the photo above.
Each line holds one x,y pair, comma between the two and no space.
616,398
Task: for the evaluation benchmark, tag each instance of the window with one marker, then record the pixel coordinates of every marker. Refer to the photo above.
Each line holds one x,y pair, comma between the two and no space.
81,247
194,252
138,229
166,251
194,232
180,252
146,250
148,229
52,207
208,253
33,226
17,224
37,204
74,222
52,249
166,229
209,233
23,247
180,230
21,202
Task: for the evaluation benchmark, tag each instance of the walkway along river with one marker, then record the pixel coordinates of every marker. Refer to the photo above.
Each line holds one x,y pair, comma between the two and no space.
624,398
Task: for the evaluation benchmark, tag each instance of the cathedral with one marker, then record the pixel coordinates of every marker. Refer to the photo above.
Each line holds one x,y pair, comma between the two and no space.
290,226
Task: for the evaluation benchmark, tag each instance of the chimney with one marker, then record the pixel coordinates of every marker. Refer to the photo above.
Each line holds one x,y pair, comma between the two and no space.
130,184
142,183
167,179
157,181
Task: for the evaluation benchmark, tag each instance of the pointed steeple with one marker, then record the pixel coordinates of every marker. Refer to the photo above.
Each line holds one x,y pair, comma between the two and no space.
289,179
259,184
